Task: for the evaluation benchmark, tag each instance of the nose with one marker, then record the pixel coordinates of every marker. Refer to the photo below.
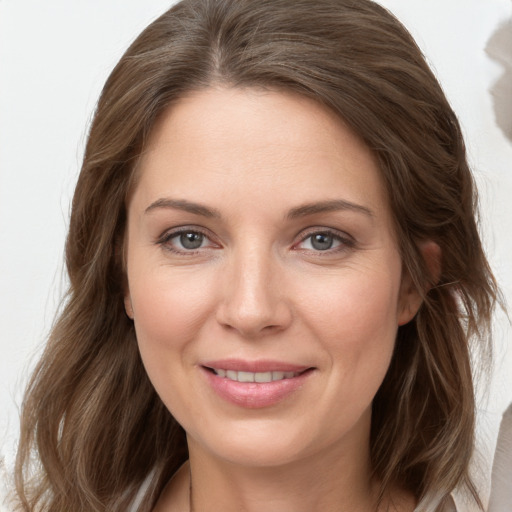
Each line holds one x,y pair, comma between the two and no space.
254,301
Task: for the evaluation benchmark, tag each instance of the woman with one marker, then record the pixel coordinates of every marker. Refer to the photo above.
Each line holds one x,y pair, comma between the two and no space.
275,276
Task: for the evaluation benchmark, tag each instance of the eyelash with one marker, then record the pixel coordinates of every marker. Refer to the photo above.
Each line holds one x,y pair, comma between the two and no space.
165,240
345,241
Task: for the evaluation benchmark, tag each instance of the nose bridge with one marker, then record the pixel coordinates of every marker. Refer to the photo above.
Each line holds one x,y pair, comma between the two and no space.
253,301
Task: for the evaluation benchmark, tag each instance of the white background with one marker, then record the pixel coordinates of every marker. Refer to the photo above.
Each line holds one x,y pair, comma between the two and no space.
55,56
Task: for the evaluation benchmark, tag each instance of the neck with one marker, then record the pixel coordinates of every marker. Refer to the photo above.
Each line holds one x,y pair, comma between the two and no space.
326,482
337,478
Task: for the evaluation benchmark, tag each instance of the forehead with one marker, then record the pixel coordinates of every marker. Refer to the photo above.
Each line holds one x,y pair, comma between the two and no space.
256,144
253,117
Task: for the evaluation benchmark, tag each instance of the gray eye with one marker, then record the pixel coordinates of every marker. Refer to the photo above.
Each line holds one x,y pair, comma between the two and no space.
191,240
322,241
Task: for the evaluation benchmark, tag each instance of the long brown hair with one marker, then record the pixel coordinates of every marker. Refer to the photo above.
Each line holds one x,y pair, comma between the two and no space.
90,415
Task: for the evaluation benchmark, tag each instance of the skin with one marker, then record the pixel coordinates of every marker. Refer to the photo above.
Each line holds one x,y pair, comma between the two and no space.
259,288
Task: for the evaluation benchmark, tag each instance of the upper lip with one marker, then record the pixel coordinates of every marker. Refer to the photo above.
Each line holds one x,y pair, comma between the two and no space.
255,366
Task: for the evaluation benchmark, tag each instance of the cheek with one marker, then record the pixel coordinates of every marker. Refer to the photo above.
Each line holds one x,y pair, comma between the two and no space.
170,308
356,302
355,317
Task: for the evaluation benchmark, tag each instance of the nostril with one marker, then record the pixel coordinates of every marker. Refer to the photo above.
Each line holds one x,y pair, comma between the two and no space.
253,310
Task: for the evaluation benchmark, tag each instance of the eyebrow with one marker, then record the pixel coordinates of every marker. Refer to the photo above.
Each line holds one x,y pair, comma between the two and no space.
328,206
182,204
300,211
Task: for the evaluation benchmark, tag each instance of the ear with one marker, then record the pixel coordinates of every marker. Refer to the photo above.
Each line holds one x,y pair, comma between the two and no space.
128,305
120,258
411,298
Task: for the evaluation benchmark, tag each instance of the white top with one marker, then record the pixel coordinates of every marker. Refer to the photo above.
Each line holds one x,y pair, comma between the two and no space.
432,506
501,480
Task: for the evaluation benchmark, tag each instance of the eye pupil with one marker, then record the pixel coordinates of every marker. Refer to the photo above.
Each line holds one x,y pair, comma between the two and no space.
191,240
321,241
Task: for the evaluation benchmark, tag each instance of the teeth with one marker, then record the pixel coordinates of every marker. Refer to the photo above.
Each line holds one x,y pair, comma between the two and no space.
254,376
246,377
263,377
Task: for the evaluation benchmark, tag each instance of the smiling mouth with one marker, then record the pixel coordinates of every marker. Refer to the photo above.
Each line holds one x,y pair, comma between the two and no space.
268,384
260,377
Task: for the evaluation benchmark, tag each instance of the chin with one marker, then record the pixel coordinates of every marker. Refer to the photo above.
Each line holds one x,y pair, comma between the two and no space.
257,445
267,443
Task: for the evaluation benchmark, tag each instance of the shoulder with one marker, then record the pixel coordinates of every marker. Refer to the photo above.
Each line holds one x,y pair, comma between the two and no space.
432,505
501,490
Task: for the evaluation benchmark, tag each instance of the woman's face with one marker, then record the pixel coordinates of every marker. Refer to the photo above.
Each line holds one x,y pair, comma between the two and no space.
263,275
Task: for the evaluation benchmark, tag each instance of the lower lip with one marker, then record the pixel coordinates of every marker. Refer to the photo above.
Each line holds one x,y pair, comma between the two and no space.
255,395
